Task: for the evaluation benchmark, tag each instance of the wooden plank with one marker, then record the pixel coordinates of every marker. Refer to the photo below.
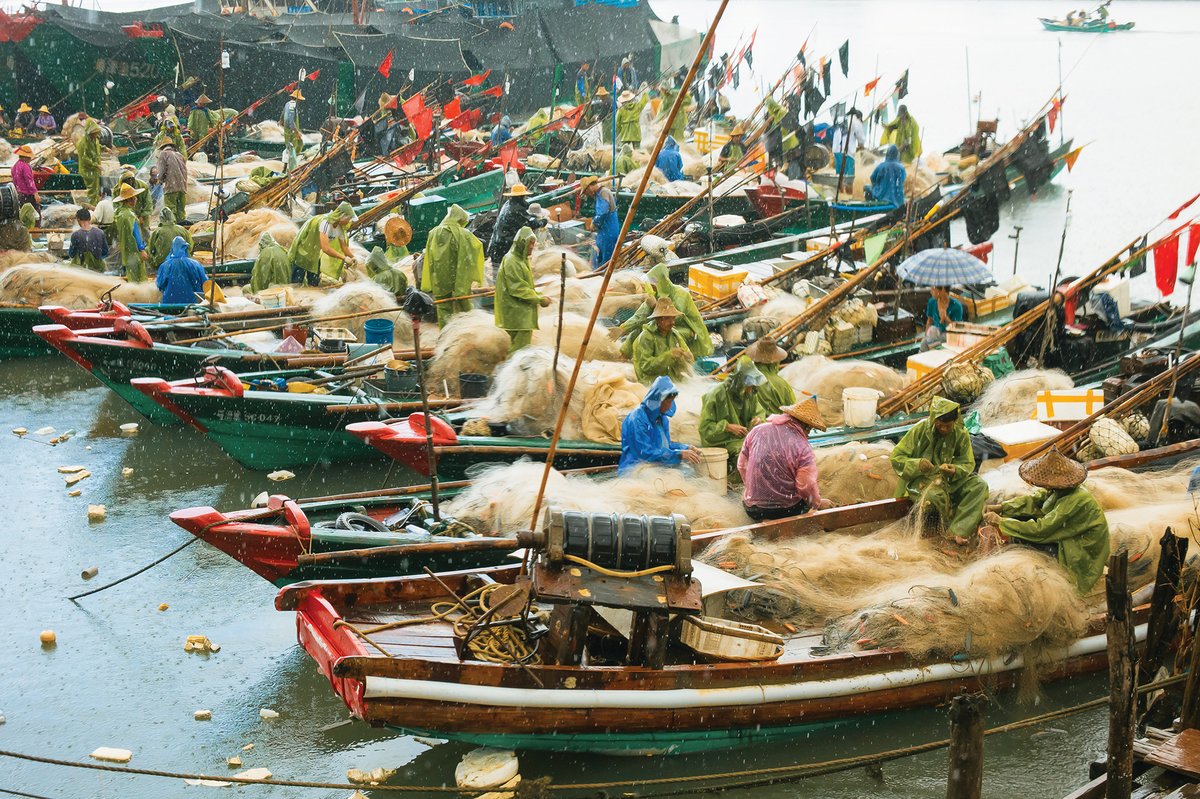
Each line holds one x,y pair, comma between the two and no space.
1122,696
1180,754
1092,790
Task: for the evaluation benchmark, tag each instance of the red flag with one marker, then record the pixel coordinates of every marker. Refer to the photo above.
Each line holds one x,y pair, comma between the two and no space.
1183,207
467,120
476,80
1052,117
385,66
1166,264
139,112
408,154
423,123
413,106
573,116
313,75
870,87
452,108
1193,242
291,87
495,91
507,156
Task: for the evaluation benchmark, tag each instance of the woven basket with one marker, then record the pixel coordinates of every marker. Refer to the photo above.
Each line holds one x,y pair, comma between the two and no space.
722,639
1111,439
965,382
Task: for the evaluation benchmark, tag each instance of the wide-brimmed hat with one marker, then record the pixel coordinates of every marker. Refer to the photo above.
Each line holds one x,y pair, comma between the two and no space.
806,412
24,107
536,209
203,100
626,96
44,110
765,350
1053,470
297,94
665,309
397,231
602,92
738,130
24,151
128,192
188,82
517,190
587,181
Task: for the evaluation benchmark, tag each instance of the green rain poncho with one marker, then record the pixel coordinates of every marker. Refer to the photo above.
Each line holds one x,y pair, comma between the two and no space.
305,252
87,152
906,135
679,125
200,121
1070,518
124,224
173,133
690,325
143,204
625,162
731,403
653,354
28,216
776,392
453,263
160,240
381,271
517,300
958,498
271,267
629,125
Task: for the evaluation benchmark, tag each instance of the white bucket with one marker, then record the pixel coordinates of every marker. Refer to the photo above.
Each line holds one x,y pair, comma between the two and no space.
714,464
859,406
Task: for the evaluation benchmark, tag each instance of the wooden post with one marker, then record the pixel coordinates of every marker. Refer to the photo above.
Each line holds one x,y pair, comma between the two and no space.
1164,615
965,780
568,633
1189,717
1121,681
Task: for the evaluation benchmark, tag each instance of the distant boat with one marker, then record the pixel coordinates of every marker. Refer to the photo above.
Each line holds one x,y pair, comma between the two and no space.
1087,26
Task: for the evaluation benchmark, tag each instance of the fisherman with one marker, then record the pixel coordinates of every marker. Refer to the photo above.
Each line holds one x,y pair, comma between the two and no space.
691,325
128,234
627,74
1063,519
941,310
776,393
271,266
517,299
170,132
848,139
887,179
503,131
397,233
905,133
646,431
180,278
581,83
453,264
89,245
731,408
778,467
45,122
172,170
104,215
734,149
290,120
659,348
23,121
322,247
604,221
162,240
22,179
670,162
936,467
201,120
625,162
513,216
601,113
87,154
380,270
678,127
629,113
145,206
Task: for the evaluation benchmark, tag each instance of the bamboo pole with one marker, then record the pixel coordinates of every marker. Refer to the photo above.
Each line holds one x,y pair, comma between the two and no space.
1121,678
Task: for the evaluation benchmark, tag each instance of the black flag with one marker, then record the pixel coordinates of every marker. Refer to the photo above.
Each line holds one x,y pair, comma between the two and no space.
902,86
827,77
844,58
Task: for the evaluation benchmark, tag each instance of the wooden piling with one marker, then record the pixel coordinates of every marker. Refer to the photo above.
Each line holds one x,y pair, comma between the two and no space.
965,779
1121,679
1163,625
1189,716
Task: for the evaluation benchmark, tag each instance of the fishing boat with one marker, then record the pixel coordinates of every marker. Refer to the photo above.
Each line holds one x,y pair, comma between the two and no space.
1087,26
17,339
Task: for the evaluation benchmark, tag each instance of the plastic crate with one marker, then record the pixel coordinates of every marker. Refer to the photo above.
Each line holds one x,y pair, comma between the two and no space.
713,284
705,144
723,639
966,334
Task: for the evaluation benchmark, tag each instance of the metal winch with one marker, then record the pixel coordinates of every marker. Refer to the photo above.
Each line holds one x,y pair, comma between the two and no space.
620,542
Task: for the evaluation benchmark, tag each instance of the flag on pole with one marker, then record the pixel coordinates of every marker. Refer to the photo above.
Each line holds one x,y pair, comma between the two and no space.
385,66
1166,263
507,155
870,87
423,123
750,50
1072,157
408,154
1193,242
495,91
1183,207
902,85
844,58
466,120
413,105
452,108
313,75
477,80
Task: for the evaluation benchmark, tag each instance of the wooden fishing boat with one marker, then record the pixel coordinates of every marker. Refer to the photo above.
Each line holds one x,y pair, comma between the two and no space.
1088,26
17,339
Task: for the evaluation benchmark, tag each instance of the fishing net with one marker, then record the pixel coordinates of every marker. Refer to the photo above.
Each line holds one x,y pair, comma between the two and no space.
1013,398
11,258
500,499
634,178
827,378
601,346
685,424
858,472
547,261
677,188
240,234
69,286
469,343
1136,425
1114,488
1110,439
7,155
965,382
59,215
362,297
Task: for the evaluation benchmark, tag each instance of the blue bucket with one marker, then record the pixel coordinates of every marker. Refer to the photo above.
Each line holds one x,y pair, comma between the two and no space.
379,331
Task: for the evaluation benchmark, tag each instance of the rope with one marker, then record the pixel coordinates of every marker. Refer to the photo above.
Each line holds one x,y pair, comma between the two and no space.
619,574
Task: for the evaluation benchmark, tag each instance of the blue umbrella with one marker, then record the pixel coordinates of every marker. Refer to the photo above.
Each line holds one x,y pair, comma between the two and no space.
944,267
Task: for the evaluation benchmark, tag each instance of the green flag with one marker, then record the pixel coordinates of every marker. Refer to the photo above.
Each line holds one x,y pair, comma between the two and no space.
873,246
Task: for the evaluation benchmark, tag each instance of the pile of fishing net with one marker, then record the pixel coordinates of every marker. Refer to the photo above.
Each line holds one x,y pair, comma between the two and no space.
7,154
591,159
827,378
271,131
69,286
500,500
540,161
239,168
849,474
1114,488
626,292
362,298
685,424
59,215
633,178
677,188
240,233
11,258
547,261
1013,398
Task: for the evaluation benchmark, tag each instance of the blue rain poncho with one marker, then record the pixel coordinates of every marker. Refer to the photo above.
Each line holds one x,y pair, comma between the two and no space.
646,433
607,226
670,162
887,181
180,278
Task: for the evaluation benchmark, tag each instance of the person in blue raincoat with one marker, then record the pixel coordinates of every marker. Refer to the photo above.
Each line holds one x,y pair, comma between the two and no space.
605,222
887,181
646,432
502,132
670,162
180,278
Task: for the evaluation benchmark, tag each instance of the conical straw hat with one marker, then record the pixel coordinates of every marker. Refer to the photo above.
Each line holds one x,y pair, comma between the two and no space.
664,308
806,412
1053,470
765,350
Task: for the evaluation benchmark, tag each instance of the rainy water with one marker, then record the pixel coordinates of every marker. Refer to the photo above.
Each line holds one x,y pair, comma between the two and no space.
119,675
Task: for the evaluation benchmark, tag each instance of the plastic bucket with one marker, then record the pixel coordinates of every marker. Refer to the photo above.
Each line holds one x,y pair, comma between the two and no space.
714,464
379,331
298,332
400,381
859,406
472,386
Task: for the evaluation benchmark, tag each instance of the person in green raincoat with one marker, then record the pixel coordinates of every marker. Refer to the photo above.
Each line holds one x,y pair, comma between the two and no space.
517,300
453,263
201,120
144,205
271,267
629,113
625,162
690,325
679,124
380,270
731,408
1062,519
87,154
128,234
776,393
170,132
660,349
164,235
936,466
322,247
905,133
397,232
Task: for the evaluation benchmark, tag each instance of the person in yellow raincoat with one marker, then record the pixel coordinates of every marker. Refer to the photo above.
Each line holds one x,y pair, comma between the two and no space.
322,247
660,349
271,267
128,234
690,325
163,237
517,299
453,263
629,117
87,154
905,133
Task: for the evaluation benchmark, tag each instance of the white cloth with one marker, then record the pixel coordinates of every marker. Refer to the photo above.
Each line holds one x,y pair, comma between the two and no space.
852,141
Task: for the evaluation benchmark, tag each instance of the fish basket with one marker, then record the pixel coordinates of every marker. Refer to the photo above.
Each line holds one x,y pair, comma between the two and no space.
722,639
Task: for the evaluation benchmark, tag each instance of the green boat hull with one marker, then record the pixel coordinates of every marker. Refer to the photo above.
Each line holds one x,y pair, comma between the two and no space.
17,339
1094,27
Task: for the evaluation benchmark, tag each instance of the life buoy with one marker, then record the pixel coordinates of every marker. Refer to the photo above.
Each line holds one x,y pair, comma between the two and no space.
443,433
221,377
134,329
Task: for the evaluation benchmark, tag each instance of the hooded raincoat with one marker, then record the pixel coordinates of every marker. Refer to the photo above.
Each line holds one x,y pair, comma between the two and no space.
776,392
654,354
625,162
679,124
607,226
200,121
381,271
517,300
958,498
1070,518
453,263
730,403
887,180
271,267
87,152
129,241
670,162
905,133
646,432
306,253
513,216
163,238
690,325
629,123
180,278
